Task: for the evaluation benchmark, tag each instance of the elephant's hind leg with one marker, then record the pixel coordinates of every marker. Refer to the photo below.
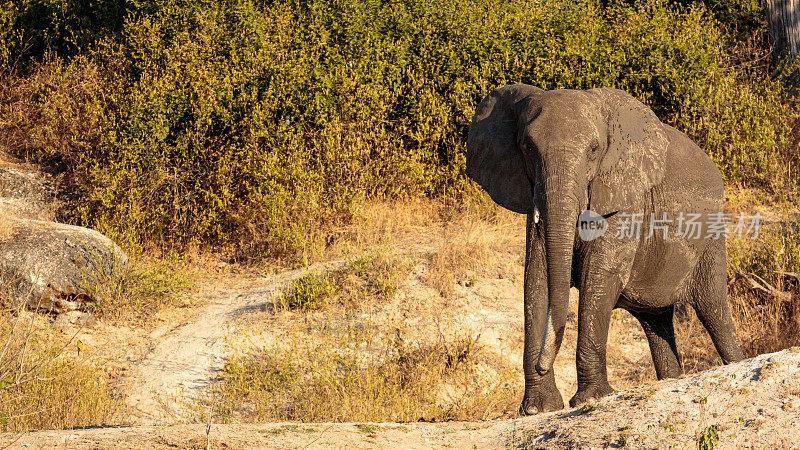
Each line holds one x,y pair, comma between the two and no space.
711,303
660,333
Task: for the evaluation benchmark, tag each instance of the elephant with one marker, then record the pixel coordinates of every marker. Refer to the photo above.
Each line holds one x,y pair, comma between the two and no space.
565,156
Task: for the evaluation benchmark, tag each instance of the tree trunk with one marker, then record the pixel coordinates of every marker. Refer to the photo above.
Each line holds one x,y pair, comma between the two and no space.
783,17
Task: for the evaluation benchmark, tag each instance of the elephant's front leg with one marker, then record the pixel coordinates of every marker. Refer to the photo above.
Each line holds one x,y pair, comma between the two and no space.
598,295
541,393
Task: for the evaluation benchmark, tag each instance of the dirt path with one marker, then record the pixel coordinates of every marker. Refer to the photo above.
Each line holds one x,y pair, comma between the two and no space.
182,359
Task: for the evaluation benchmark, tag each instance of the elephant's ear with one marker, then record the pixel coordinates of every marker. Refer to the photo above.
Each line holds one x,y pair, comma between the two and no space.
634,158
494,159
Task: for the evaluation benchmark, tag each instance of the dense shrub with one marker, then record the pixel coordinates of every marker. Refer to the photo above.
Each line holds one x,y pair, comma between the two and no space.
30,29
258,125
54,113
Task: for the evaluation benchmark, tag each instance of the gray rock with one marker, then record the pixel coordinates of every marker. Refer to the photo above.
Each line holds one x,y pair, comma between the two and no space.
31,193
56,267
27,193
17,182
73,318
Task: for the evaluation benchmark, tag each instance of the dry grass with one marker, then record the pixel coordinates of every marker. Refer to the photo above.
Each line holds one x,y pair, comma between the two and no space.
694,344
767,323
6,227
358,372
362,354
135,294
628,354
764,323
348,350
416,222
382,222
47,381
475,245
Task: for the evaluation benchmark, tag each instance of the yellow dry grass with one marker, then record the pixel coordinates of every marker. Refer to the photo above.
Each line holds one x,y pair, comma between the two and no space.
472,245
47,380
339,346
364,372
6,227
382,223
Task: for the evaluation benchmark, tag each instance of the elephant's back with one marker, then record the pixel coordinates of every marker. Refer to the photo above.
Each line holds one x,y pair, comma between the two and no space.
691,166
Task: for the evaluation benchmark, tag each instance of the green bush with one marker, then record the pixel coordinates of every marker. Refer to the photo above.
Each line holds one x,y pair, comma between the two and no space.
257,126
364,279
309,292
31,29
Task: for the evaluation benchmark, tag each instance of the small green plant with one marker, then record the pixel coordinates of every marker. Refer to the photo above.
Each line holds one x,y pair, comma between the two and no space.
622,440
289,428
309,292
372,275
368,428
708,438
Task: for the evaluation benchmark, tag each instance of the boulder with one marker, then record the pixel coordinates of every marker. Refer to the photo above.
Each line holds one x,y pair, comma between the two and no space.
55,267
28,193
17,182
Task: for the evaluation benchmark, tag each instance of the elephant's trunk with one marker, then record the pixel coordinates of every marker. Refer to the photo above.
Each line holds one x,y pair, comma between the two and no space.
560,215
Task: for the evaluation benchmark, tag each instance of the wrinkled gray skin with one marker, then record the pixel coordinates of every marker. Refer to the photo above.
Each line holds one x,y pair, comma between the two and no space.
552,155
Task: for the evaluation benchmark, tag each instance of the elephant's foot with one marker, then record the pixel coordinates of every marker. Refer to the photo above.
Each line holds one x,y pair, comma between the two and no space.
541,396
591,392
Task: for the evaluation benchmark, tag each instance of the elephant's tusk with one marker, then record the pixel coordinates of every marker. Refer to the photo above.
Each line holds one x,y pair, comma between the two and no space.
535,215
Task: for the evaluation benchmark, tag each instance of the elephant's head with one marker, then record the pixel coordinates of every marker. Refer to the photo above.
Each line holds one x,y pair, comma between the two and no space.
561,152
